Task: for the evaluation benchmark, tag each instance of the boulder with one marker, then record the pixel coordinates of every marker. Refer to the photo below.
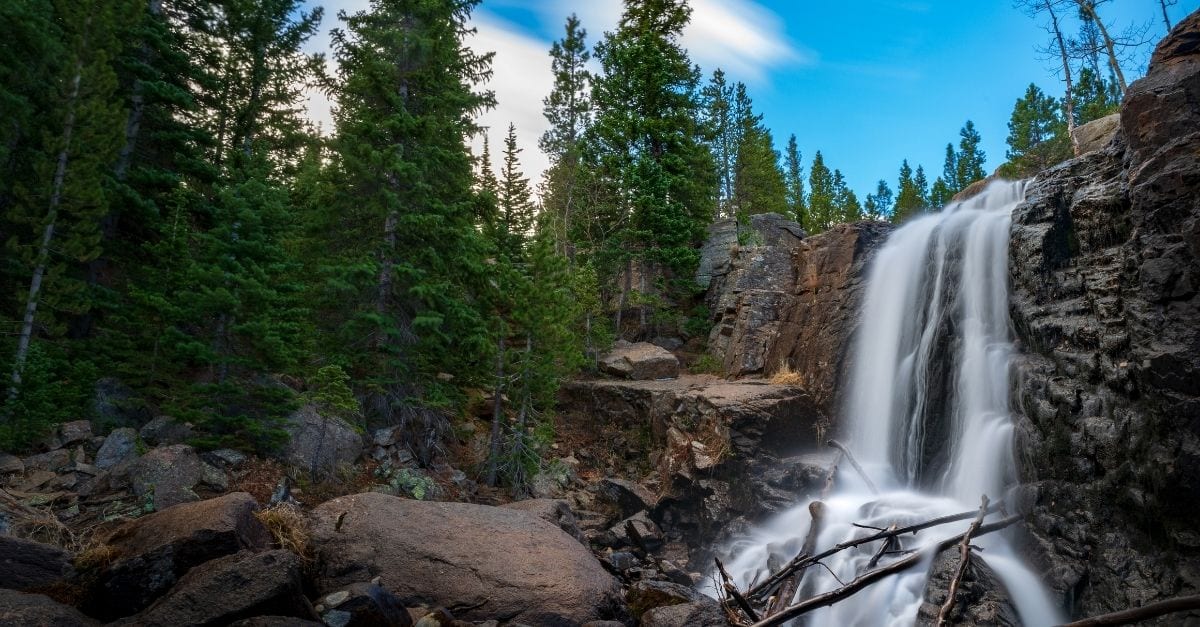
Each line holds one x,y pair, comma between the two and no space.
18,609
52,461
11,465
74,432
170,475
703,613
554,511
120,445
981,599
642,361
647,595
28,565
627,497
162,430
230,588
154,551
320,444
276,621
514,565
363,605
1098,133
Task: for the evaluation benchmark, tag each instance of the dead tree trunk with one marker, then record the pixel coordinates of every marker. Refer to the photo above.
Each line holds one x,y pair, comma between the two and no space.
853,462
1069,97
497,413
1089,7
1166,19
1137,614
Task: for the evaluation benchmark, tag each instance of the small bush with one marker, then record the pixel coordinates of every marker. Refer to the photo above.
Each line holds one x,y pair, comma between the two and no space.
784,375
707,364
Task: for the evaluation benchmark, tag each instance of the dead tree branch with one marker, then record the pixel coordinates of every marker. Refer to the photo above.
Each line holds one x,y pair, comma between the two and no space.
732,591
1145,612
870,577
964,560
853,462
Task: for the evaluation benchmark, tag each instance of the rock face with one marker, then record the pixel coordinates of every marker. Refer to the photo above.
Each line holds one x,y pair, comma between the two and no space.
981,599
511,565
321,444
640,362
1098,133
794,303
1105,300
714,447
28,565
18,609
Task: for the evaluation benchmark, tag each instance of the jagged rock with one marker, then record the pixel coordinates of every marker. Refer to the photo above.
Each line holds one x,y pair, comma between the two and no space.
230,588
18,609
28,565
765,229
703,613
647,595
226,458
640,362
74,432
555,511
120,445
163,430
1096,134
170,475
276,621
526,569
153,551
651,536
981,599
627,497
1105,295
363,605
320,444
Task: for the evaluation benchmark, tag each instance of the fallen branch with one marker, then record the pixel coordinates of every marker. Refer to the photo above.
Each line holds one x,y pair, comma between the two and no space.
1145,612
804,561
816,512
853,462
884,548
870,577
732,591
964,560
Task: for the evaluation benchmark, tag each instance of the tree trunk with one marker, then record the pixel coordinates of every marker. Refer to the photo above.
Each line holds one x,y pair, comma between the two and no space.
43,256
497,412
1089,7
1069,98
626,287
1166,20
384,290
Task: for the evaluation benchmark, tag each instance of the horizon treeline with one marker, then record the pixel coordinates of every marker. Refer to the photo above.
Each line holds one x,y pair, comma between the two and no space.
178,237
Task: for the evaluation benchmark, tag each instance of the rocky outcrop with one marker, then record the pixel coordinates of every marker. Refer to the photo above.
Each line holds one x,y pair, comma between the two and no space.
320,443
639,361
1097,134
1105,300
792,303
496,562
981,598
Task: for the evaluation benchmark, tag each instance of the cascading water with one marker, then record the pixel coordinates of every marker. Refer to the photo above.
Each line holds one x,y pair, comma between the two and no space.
927,416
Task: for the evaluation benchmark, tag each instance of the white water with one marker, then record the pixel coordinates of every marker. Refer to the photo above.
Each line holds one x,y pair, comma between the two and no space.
927,416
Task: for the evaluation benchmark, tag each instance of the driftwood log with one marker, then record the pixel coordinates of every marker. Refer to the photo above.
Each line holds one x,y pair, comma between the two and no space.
854,462
870,577
1145,612
964,560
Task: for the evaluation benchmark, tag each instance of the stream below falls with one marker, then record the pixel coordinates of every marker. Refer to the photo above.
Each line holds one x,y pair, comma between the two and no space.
927,416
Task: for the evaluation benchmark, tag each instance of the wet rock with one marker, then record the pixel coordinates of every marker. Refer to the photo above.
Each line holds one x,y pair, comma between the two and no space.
18,609
74,432
703,613
640,362
363,605
154,551
981,599
230,588
276,621
119,446
526,569
28,565
554,511
163,430
319,443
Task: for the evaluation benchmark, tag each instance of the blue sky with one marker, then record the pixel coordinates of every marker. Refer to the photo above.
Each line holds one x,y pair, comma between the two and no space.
866,83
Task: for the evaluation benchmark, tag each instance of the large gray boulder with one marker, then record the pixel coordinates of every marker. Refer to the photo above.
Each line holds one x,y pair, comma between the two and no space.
321,443
28,565
120,445
642,361
18,609
503,563
1098,133
171,475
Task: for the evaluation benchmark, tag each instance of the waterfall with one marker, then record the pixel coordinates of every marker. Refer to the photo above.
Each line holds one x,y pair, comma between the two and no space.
927,415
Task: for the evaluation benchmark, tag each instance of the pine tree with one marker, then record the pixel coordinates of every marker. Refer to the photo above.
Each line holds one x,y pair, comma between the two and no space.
1036,135
970,158
910,194
794,182
717,97
655,177
821,196
515,202
878,206
1094,97
846,205
758,181
400,309
568,109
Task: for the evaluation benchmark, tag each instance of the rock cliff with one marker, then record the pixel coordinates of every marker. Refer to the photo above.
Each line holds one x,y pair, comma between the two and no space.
1105,274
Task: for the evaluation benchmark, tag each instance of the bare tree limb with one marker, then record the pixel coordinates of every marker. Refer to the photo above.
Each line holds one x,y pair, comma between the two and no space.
733,591
1145,612
853,462
870,577
964,560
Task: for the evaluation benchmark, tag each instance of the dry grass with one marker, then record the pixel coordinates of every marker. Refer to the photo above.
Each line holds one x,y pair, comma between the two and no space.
784,375
288,527
45,527
96,556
